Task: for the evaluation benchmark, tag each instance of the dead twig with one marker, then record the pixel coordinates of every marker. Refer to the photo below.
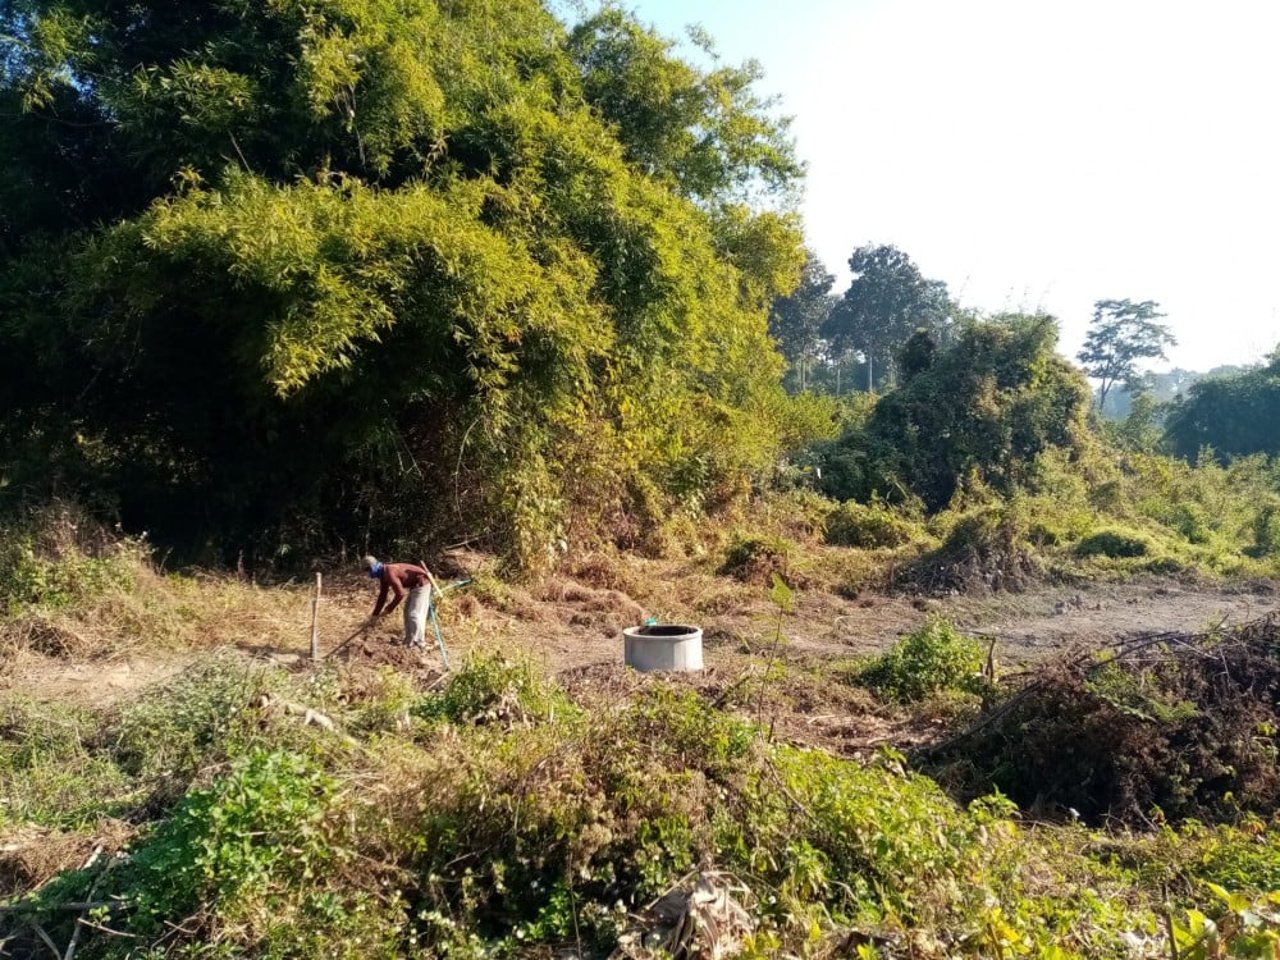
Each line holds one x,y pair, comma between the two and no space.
48,940
105,929
78,906
97,882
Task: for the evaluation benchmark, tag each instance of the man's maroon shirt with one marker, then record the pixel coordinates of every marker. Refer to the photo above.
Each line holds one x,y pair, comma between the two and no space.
399,578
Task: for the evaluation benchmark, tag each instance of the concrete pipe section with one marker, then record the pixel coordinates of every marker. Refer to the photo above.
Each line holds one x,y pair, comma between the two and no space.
665,647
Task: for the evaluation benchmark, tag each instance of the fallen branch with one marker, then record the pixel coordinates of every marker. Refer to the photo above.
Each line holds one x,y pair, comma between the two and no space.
97,882
48,940
107,930
78,906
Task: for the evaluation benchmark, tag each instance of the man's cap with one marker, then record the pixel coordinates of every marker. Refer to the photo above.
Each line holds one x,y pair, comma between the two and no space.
369,562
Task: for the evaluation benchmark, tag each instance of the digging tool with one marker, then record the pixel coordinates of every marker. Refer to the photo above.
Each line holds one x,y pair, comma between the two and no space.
362,629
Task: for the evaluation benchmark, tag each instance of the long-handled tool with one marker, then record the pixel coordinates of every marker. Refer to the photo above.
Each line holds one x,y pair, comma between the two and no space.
362,629
435,622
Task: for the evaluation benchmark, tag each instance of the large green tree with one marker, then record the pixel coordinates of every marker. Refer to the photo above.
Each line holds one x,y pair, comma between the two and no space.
888,299
1121,334
1236,416
985,408
288,274
707,132
796,320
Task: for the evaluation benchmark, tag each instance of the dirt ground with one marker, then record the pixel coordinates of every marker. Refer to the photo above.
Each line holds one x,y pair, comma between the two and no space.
571,625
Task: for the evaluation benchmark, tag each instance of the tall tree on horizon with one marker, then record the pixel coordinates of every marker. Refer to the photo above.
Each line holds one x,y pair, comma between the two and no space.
887,301
1234,416
1121,334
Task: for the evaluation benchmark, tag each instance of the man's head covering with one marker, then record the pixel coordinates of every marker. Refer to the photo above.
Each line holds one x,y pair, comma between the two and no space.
369,562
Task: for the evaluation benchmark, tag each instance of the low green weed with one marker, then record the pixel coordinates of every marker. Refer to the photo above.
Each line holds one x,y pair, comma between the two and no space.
1137,696
489,688
263,826
184,723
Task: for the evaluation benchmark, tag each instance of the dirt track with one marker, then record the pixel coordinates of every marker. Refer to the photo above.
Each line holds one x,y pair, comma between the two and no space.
1032,625
566,625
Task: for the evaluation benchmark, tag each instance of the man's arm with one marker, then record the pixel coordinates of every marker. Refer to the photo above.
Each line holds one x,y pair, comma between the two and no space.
382,598
398,590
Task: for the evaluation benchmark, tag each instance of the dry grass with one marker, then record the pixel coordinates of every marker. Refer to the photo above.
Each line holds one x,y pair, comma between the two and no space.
165,614
31,856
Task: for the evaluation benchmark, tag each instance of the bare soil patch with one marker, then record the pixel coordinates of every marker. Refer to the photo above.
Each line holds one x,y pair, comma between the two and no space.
571,625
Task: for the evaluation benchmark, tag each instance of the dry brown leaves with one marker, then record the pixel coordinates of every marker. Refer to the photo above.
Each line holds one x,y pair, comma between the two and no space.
700,918
31,856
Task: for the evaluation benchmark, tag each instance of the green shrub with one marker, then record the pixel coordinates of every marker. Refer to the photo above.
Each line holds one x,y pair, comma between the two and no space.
1115,542
255,830
490,688
184,723
1189,520
934,658
1266,532
984,549
869,526
46,562
986,407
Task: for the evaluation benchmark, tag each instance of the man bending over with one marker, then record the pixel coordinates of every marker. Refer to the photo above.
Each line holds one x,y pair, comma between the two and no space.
402,578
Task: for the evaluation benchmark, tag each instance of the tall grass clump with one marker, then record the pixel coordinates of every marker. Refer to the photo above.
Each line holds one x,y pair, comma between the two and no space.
871,526
57,556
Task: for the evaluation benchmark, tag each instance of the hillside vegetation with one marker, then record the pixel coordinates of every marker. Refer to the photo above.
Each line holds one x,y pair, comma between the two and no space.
350,271
284,282
346,808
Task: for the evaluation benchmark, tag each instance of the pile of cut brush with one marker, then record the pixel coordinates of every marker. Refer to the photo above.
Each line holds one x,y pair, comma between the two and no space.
1157,725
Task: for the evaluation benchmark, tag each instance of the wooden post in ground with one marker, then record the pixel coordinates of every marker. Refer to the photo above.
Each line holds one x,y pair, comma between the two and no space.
315,610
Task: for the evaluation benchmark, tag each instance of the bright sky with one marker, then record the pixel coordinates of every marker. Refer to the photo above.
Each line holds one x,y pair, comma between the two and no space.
1038,154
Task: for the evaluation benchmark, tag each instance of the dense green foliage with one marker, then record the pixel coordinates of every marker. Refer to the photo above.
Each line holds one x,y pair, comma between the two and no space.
985,471
276,276
869,525
934,658
796,321
982,410
491,826
1235,416
886,302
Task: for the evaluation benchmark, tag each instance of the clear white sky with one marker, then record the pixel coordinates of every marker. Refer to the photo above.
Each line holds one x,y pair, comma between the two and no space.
1039,153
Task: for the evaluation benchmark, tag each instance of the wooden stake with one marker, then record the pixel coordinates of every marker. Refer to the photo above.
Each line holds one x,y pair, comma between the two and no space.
315,610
